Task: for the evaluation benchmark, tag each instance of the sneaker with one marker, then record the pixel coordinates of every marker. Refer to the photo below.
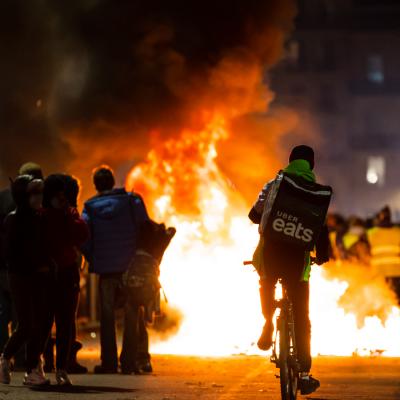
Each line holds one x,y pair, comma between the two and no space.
265,341
62,378
5,374
36,378
308,384
146,367
101,369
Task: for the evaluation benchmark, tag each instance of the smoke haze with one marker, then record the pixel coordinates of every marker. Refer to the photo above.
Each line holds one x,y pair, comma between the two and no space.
93,81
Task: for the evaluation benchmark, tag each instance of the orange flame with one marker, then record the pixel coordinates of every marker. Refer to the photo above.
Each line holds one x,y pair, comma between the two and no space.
202,271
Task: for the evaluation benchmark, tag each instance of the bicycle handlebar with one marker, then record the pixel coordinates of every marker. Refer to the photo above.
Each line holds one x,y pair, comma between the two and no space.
313,261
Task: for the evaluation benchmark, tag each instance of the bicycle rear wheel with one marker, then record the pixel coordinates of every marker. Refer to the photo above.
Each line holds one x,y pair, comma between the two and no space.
288,374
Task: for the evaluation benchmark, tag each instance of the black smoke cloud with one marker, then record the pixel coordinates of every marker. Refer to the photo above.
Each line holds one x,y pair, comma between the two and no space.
84,66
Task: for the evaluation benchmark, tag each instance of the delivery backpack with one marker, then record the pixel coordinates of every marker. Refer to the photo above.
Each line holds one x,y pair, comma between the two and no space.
295,210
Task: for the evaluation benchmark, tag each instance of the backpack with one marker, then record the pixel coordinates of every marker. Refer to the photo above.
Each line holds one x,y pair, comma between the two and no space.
141,280
295,210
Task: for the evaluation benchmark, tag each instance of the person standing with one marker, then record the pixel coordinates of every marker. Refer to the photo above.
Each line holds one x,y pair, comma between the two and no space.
65,233
355,242
29,271
113,217
384,242
7,310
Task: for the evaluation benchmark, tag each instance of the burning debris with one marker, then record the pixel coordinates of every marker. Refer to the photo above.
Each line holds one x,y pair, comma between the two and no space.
186,79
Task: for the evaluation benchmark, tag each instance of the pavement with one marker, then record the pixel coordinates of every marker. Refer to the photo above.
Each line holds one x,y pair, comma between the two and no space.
236,377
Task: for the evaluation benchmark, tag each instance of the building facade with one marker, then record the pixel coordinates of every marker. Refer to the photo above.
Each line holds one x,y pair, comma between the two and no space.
342,68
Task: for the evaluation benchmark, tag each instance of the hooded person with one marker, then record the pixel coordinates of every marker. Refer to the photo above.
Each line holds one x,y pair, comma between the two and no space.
7,312
291,263
114,217
66,231
29,271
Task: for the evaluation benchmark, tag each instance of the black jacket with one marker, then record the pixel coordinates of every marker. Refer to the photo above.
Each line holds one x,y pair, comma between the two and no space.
6,206
25,247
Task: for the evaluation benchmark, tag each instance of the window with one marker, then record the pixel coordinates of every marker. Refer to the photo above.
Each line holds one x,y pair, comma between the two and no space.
375,72
292,51
376,168
295,54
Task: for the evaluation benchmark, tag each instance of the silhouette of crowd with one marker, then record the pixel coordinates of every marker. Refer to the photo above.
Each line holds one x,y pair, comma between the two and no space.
45,243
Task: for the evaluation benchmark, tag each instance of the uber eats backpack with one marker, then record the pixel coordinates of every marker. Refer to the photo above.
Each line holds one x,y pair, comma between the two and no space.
295,210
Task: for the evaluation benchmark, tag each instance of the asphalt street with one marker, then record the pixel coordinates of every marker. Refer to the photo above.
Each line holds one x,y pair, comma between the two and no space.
236,377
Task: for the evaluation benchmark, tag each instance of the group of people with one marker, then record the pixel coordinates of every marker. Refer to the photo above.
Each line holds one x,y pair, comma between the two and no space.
43,241
372,242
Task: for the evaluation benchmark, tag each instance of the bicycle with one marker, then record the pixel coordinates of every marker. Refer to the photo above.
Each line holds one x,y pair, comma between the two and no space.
284,350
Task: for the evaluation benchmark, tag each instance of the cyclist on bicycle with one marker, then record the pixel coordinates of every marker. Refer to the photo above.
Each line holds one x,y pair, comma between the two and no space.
292,264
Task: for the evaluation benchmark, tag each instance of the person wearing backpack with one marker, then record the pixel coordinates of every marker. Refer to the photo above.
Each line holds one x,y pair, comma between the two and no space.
114,217
279,258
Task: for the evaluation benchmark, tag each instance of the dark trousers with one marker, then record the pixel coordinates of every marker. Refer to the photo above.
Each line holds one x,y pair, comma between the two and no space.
136,339
30,297
63,312
110,290
7,317
282,261
298,293
6,309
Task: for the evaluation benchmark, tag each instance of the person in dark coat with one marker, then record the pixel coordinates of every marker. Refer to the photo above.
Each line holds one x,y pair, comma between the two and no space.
6,308
29,271
114,217
65,232
7,311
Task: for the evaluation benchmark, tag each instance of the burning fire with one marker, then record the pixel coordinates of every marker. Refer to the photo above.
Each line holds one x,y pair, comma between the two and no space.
202,272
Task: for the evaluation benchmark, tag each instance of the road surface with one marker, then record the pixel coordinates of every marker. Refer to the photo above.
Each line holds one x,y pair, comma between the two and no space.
236,377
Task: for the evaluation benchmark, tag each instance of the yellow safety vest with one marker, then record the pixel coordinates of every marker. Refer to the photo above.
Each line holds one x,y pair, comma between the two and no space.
385,250
349,239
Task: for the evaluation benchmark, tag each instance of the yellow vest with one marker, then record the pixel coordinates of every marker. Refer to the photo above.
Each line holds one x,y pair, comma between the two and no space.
349,239
385,250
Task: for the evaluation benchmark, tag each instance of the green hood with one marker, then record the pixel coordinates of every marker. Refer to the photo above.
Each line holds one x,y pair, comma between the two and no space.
301,168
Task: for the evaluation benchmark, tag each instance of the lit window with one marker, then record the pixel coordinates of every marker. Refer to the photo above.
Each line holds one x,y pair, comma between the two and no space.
292,51
375,72
376,170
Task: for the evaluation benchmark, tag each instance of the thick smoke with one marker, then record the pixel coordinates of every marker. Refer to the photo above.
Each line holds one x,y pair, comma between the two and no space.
89,81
